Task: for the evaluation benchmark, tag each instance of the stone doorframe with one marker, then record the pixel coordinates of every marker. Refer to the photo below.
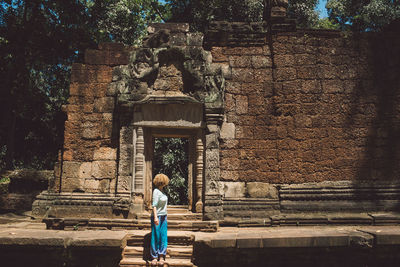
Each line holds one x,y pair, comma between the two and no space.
155,116
195,162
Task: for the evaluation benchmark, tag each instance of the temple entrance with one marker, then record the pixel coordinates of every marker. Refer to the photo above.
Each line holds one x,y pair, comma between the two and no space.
178,153
171,157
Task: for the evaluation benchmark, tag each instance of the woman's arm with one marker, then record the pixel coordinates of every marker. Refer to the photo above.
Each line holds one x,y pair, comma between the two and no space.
155,216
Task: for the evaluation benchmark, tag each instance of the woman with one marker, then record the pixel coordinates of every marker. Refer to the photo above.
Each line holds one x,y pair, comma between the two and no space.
159,242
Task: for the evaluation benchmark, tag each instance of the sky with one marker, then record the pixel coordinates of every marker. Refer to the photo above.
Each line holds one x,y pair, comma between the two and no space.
322,10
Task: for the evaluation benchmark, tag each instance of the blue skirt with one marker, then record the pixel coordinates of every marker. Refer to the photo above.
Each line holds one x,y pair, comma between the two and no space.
159,240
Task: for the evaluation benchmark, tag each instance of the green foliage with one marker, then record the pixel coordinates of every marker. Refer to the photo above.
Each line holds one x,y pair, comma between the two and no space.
199,13
4,180
361,15
171,158
39,41
327,23
305,13
123,21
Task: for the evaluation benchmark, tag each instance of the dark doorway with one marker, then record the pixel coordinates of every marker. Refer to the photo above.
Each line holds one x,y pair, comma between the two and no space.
171,157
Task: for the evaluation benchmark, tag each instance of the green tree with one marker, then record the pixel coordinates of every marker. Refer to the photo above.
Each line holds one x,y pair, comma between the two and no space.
304,11
361,15
123,21
37,47
39,41
171,158
199,13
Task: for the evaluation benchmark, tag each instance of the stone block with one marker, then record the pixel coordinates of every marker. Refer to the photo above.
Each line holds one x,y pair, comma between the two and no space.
218,55
240,61
91,131
91,185
116,57
224,241
262,75
105,153
259,62
68,155
72,185
284,60
82,73
249,240
111,46
241,104
85,170
261,190
288,74
227,130
172,27
233,189
242,74
96,57
103,169
230,175
107,117
71,169
104,104
97,185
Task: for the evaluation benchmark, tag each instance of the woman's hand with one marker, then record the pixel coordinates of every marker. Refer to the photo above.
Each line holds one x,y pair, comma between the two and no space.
156,222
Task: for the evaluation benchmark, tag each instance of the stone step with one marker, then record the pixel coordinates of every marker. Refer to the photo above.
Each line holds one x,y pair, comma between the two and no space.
176,216
137,240
137,262
183,225
139,224
173,251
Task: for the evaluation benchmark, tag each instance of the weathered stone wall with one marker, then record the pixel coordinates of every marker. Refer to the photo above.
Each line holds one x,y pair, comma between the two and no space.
284,111
90,141
311,106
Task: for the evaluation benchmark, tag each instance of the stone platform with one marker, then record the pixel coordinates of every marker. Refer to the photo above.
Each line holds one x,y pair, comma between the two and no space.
359,245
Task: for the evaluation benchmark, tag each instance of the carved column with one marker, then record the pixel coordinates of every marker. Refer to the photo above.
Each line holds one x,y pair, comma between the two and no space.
139,161
213,209
199,174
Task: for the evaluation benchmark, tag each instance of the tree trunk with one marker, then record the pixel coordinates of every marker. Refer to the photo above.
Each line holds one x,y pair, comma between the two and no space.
11,141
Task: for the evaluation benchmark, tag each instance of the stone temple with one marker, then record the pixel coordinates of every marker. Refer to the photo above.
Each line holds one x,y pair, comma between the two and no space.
280,122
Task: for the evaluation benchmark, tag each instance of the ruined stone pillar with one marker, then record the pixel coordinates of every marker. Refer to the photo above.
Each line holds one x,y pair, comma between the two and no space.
199,174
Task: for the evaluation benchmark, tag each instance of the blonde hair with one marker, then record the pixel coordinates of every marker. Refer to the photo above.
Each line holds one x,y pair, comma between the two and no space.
160,180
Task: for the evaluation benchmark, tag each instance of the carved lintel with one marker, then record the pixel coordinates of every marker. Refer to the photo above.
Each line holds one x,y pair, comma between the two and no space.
199,176
139,161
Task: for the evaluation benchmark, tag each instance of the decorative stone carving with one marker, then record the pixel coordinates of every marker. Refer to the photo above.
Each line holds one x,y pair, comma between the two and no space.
199,176
170,83
139,161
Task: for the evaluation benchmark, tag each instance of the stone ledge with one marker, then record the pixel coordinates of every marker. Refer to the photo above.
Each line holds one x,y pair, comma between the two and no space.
118,224
301,237
34,247
37,237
